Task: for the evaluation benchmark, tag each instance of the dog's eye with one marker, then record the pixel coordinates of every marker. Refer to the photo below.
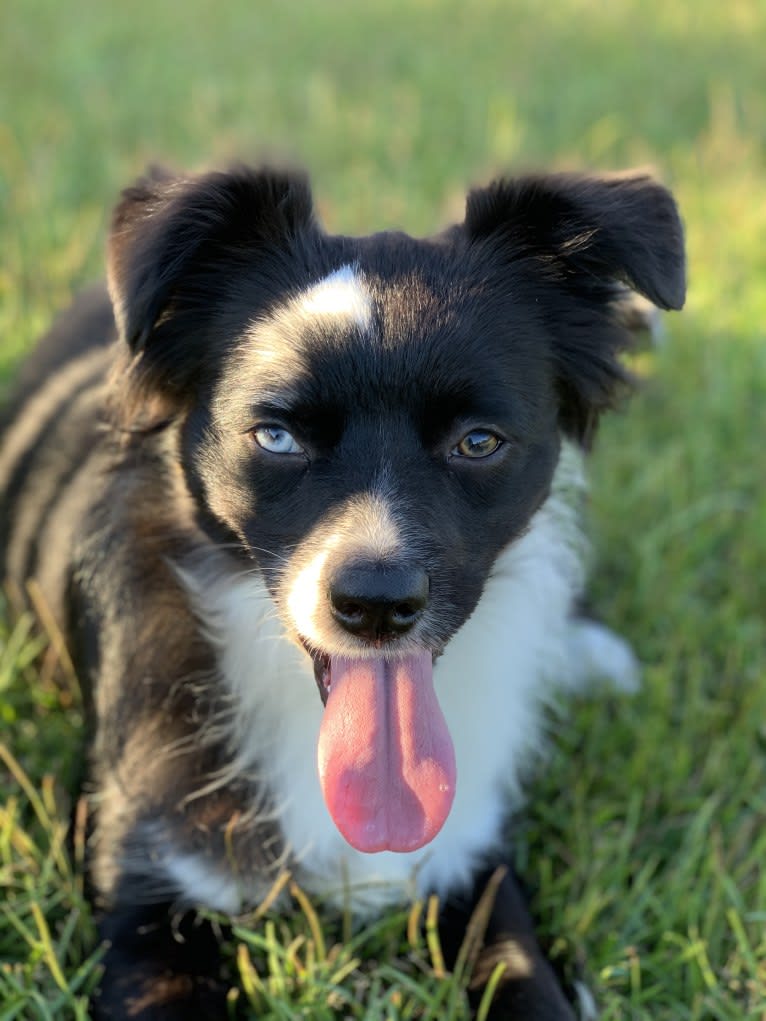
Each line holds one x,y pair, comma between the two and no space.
477,443
276,440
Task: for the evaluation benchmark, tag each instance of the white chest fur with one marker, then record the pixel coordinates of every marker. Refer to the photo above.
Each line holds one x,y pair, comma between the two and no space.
491,683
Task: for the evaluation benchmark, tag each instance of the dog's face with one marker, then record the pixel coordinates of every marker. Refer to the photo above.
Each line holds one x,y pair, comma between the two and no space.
371,421
382,436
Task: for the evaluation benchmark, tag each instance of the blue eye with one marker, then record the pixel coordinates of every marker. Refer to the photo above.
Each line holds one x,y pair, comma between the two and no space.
276,440
477,443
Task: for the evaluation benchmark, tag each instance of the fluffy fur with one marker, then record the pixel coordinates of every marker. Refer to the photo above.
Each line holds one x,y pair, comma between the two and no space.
277,458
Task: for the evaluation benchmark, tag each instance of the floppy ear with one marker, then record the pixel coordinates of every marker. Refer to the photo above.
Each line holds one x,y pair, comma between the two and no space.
584,239
173,247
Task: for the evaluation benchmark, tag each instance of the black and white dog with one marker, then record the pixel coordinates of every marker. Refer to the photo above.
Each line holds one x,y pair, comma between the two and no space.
305,508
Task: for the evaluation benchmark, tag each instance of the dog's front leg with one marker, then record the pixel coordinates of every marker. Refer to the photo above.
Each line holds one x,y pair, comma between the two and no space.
159,966
528,989
153,857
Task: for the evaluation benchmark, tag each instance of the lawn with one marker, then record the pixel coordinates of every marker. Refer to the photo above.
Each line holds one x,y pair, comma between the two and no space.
645,841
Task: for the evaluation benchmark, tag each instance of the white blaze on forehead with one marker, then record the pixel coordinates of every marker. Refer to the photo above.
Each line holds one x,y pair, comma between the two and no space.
343,295
340,301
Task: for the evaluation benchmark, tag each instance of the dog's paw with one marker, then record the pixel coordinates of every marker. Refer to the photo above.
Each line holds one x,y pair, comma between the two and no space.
597,654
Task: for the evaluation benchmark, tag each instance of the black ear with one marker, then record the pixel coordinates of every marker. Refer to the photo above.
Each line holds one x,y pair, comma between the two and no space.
176,242
580,241
623,228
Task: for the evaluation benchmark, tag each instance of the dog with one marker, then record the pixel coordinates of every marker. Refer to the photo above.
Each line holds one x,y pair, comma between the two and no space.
306,509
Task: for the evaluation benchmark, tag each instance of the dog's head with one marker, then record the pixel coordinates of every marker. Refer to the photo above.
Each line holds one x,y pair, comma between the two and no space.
372,420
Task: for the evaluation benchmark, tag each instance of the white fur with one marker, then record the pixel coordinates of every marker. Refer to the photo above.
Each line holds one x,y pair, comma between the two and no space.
337,302
491,683
586,1003
342,294
598,654
203,884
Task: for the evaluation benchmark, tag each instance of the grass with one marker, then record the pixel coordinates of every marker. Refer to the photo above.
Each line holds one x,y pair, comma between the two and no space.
645,841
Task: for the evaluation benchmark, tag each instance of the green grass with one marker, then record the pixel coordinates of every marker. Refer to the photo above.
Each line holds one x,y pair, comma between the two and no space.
645,840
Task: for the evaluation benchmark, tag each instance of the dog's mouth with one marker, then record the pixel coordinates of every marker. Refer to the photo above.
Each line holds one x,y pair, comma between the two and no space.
321,663
385,755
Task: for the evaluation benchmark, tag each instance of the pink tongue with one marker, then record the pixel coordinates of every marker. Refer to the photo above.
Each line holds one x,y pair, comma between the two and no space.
386,761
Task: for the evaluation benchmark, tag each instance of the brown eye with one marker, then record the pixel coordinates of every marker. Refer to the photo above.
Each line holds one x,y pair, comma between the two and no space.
477,444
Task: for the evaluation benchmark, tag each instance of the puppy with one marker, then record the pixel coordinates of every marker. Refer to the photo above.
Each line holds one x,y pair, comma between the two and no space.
305,508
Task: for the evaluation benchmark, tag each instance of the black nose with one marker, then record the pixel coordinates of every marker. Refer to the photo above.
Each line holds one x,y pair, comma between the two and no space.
376,602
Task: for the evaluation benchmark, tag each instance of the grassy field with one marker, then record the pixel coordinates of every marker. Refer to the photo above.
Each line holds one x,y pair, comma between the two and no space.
645,840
